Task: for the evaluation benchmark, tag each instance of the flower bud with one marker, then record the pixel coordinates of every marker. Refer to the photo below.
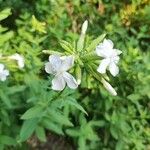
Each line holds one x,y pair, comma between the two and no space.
78,74
108,87
84,27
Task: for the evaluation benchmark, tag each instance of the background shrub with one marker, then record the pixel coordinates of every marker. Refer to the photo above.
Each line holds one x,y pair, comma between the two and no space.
29,107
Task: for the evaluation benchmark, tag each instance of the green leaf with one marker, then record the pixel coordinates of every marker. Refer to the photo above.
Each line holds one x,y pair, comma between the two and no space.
66,46
16,89
5,117
5,13
80,43
73,132
120,145
95,42
40,133
52,52
59,118
82,143
27,129
1,146
100,123
74,103
114,132
33,112
6,37
5,99
6,140
37,25
47,123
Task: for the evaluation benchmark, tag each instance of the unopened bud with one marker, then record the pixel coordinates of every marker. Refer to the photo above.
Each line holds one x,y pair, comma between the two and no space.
84,27
108,87
78,74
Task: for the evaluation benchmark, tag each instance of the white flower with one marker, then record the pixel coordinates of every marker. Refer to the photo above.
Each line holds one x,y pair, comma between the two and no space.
58,66
19,59
110,55
109,87
3,73
84,27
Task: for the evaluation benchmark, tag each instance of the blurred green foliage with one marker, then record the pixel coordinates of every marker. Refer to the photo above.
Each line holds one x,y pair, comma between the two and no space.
28,105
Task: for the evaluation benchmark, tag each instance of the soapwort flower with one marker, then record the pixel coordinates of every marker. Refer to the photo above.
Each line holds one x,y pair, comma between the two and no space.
58,66
3,73
19,59
110,55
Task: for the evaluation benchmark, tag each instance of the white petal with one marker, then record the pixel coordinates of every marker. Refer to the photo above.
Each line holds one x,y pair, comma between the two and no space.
115,52
67,62
109,87
49,68
3,78
116,59
113,68
58,83
108,44
15,56
103,65
3,75
21,63
105,49
6,72
70,80
19,59
56,62
1,67
100,51
118,51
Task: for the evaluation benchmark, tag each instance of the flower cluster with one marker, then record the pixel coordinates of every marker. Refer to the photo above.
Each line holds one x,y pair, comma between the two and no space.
58,66
4,72
110,60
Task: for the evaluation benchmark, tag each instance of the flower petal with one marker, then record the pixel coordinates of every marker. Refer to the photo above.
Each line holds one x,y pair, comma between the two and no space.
103,65
113,68
3,73
105,49
108,44
49,69
109,87
55,62
1,67
58,83
70,80
6,72
2,77
118,51
116,59
67,62
19,59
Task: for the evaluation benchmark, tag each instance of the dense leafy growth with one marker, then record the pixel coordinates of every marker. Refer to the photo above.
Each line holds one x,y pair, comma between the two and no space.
91,117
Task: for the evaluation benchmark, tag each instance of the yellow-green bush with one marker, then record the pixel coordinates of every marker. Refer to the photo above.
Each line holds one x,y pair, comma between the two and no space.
91,117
